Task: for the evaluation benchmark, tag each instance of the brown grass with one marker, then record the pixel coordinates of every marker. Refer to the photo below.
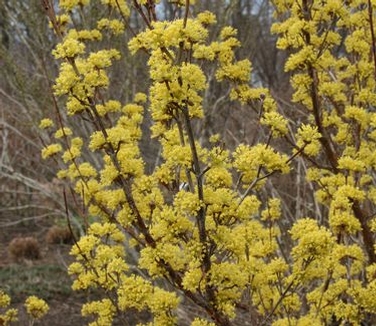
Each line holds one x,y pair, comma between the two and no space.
59,235
24,248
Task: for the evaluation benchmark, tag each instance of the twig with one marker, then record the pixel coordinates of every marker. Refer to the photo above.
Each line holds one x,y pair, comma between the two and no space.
370,16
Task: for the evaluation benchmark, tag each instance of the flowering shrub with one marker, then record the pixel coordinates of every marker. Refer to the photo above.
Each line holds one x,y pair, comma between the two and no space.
219,241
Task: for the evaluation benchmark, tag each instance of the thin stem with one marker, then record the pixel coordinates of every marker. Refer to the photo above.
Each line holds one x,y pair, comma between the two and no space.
370,16
324,140
141,12
128,26
186,13
197,172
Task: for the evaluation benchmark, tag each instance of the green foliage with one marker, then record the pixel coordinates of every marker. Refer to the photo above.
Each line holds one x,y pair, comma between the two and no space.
34,280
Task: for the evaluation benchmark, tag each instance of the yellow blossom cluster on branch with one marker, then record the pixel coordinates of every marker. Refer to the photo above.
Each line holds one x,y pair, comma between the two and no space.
35,307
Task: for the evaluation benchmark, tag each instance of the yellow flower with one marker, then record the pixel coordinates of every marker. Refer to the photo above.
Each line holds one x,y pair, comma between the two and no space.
193,76
227,32
107,229
201,51
192,279
68,5
4,299
63,132
118,5
219,177
140,98
87,170
51,150
36,307
276,122
247,160
313,241
360,115
109,106
74,151
102,59
201,322
69,48
239,71
348,163
207,18
115,25
273,210
308,137
66,81
104,309
133,293
10,316
45,123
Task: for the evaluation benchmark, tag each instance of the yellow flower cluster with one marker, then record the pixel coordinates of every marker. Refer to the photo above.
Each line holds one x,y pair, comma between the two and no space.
74,150
68,5
169,34
99,257
341,215
276,122
314,242
103,308
63,132
70,48
36,307
10,314
46,123
119,5
273,210
206,18
308,138
114,25
51,150
248,160
135,292
229,280
201,322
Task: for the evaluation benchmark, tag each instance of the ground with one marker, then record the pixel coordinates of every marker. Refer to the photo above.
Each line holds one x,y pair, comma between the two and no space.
45,277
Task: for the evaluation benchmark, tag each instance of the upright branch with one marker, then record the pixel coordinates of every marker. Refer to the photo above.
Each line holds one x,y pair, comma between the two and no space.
372,31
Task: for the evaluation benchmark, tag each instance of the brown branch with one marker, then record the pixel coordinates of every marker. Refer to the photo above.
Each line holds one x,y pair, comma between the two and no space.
186,13
141,12
50,12
210,307
368,240
370,15
197,172
324,139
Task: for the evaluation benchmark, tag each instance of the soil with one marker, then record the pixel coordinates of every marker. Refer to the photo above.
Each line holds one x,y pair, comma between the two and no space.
45,277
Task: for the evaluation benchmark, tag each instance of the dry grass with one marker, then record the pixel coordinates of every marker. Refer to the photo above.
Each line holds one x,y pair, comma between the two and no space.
59,235
24,248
